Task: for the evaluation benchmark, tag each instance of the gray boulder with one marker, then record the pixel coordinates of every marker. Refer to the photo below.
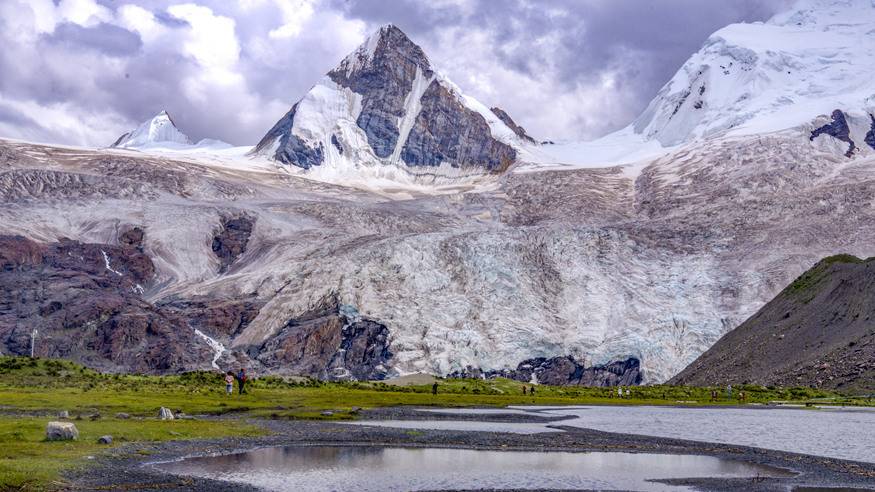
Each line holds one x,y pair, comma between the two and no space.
61,431
63,414
105,439
122,416
165,414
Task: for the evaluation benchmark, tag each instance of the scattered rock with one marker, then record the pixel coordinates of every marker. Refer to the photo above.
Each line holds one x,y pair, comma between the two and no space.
327,413
63,414
122,416
61,431
94,416
355,410
165,414
105,439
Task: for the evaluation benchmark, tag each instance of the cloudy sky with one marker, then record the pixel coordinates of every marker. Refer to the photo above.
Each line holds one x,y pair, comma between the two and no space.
84,71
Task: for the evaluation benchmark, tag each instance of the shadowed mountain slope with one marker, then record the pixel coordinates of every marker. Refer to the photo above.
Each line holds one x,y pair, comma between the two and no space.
819,331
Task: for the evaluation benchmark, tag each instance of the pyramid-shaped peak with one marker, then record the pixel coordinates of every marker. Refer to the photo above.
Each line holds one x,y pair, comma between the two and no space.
389,48
158,129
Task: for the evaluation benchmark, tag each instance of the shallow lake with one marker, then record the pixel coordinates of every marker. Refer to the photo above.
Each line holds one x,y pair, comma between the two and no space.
389,469
836,433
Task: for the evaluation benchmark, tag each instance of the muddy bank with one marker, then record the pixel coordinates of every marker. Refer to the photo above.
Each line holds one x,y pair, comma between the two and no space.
127,467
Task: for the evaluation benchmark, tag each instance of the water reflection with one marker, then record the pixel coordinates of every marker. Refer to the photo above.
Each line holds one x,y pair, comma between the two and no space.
372,469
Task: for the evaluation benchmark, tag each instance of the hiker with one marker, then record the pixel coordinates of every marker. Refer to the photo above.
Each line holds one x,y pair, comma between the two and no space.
229,383
729,392
524,391
619,392
628,393
532,391
241,380
434,388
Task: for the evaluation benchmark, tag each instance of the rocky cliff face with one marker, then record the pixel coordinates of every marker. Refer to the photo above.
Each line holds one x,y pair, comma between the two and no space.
230,242
567,371
331,342
385,105
85,301
447,131
819,332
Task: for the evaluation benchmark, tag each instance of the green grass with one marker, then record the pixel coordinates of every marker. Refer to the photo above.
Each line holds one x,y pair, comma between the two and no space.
29,386
808,280
28,462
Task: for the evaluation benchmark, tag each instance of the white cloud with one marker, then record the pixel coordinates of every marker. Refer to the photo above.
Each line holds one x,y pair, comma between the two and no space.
60,122
86,13
141,21
211,41
295,14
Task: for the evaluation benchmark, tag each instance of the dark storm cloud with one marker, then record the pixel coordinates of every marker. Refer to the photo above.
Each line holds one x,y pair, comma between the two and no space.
514,53
104,38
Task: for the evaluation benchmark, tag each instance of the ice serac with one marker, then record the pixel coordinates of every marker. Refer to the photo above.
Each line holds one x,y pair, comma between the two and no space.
764,77
159,129
386,105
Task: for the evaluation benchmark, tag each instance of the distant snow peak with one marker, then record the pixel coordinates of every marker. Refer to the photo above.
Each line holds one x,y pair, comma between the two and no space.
766,77
385,112
159,129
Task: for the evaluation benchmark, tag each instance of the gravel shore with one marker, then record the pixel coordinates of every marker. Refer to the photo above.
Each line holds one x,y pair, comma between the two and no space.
130,468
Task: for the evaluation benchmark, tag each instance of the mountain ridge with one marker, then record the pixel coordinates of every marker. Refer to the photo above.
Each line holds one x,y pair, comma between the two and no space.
819,331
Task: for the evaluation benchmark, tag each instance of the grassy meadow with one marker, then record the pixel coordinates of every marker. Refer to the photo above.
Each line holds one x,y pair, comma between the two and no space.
33,391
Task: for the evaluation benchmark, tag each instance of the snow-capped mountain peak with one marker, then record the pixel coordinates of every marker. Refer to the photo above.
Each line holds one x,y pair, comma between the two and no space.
385,108
764,77
159,129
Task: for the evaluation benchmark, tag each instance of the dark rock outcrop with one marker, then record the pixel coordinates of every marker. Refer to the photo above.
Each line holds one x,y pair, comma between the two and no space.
331,342
566,371
818,332
85,302
447,131
384,78
336,143
870,135
132,238
507,120
837,128
230,242
221,319
291,149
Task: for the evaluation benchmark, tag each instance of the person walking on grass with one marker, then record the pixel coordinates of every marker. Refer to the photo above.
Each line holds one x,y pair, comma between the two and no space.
434,388
229,383
524,391
241,380
532,391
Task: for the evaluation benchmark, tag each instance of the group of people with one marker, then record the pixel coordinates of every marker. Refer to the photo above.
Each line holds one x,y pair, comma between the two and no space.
531,390
715,395
240,377
621,393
